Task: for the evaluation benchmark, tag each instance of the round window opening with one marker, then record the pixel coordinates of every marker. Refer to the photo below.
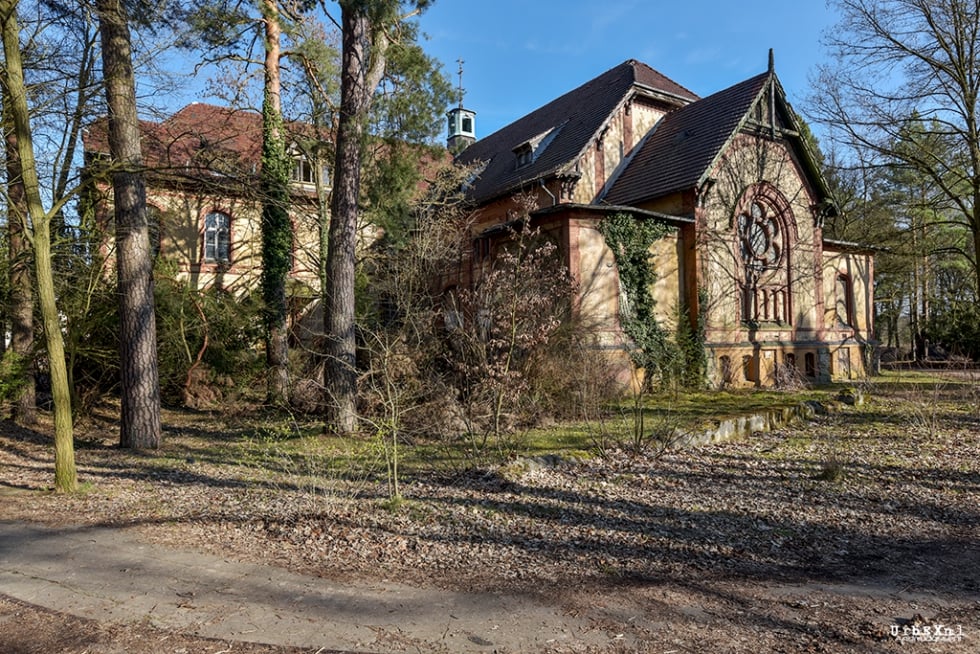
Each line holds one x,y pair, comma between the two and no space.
760,236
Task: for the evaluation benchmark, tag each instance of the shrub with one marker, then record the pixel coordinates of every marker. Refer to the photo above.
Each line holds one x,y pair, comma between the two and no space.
204,337
956,327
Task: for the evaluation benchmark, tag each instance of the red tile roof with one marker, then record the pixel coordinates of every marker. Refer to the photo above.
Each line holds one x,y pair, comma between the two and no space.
200,138
202,127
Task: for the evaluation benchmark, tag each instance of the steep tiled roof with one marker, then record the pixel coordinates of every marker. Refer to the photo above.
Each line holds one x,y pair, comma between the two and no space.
198,139
562,128
684,144
202,127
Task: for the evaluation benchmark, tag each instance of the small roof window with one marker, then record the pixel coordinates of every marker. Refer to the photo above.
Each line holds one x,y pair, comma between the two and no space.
529,151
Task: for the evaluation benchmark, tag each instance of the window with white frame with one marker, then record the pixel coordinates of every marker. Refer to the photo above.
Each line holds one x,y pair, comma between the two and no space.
304,172
217,237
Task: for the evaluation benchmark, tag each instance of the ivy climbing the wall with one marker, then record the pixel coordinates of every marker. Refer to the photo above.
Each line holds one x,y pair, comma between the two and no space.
691,340
681,360
630,240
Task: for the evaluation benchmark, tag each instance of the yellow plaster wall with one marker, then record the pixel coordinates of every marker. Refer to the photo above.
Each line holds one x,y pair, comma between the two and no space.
752,161
599,282
848,342
858,268
644,116
181,240
613,148
667,260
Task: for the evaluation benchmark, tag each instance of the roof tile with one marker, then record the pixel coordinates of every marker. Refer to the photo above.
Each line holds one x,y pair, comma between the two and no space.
580,113
684,144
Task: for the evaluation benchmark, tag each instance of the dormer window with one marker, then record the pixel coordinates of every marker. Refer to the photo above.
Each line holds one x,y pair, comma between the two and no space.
529,151
304,172
525,155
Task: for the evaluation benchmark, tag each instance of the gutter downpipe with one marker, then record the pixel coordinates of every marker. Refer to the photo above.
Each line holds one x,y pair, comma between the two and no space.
554,200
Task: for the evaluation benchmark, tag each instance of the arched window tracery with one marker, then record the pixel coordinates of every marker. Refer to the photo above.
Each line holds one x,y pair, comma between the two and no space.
763,243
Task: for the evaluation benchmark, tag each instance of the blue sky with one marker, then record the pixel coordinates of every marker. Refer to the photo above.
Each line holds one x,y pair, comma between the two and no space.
519,54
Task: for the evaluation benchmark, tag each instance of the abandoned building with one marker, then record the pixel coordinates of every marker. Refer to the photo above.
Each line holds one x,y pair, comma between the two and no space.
730,174
734,178
204,207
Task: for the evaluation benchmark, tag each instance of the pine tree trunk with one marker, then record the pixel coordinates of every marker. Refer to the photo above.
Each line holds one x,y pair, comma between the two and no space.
276,227
340,373
140,420
21,294
65,477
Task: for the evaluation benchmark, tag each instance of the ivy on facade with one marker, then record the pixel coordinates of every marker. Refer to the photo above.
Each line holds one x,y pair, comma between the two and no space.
663,359
691,340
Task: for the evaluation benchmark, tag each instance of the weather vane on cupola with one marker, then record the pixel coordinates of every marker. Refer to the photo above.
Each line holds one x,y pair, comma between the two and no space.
459,89
462,122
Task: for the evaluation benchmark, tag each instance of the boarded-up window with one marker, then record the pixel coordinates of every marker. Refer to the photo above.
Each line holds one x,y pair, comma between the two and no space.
748,367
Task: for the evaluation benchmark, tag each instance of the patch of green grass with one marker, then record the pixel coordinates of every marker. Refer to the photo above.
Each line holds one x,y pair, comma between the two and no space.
394,504
925,380
705,405
268,445
572,439
85,487
687,411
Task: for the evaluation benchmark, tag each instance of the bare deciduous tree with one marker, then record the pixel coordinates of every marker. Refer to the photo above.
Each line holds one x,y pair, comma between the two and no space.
903,68
21,308
66,479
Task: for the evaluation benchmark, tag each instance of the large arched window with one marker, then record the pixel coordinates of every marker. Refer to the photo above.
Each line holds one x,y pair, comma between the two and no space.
763,241
760,237
217,237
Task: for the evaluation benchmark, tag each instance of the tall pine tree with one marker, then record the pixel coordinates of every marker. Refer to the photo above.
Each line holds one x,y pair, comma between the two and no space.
140,385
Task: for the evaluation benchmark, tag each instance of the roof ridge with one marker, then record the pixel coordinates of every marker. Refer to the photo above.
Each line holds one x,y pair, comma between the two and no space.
637,63
685,143
584,110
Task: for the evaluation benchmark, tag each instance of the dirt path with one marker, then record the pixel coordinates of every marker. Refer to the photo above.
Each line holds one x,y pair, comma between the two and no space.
107,575
103,590
857,532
